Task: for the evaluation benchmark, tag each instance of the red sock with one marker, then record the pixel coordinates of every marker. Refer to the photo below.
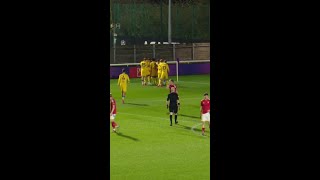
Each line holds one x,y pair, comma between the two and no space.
112,123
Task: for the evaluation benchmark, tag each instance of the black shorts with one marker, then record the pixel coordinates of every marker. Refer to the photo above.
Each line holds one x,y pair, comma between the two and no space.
173,109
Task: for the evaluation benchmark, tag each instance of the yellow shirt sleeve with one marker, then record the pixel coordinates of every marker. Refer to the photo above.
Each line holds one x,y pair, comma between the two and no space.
159,67
119,79
128,79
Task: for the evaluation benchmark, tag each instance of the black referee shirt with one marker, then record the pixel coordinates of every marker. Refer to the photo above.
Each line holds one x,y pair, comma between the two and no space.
173,98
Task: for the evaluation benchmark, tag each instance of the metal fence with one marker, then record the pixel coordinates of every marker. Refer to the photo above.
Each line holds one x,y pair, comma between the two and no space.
139,21
134,54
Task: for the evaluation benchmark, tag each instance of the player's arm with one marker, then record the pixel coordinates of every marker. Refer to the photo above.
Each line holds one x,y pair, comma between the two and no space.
119,79
168,101
178,102
113,106
128,79
168,68
200,109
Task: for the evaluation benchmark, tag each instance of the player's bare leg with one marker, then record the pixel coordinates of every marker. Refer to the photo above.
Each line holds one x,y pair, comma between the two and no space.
145,80
148,78
114,125
203,127
142,80
160,82
123,96
153,80
156,80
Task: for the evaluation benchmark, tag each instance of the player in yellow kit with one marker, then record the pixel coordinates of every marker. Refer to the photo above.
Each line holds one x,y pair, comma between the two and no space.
143,66
148,71
154,71
123,83
160,72
165,72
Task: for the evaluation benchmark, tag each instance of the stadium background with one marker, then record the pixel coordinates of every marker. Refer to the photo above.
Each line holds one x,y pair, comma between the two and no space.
145,147
140,21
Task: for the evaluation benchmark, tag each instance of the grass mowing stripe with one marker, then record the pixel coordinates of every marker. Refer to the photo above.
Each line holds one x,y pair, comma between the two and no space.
156,100
166,125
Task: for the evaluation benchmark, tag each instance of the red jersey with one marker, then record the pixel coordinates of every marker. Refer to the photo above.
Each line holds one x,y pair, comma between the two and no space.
205,104
113,103
172,85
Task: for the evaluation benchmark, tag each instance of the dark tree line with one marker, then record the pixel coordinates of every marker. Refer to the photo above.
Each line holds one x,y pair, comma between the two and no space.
182,2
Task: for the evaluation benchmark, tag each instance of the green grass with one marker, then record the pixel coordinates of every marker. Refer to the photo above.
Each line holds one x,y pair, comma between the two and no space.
146,147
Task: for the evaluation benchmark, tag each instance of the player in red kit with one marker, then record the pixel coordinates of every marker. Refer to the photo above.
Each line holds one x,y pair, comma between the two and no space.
205,111
172,85
113,112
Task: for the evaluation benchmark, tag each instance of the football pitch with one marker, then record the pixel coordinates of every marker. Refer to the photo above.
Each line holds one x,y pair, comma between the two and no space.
146,146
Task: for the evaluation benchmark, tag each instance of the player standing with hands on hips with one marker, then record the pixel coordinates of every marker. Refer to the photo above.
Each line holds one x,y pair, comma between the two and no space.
173,104
205,111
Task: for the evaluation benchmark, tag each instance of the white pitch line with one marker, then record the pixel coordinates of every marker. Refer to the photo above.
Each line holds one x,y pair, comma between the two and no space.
192,129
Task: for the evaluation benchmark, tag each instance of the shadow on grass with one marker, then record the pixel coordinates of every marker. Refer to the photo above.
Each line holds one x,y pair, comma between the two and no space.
126,136
189,128
184,115
137,104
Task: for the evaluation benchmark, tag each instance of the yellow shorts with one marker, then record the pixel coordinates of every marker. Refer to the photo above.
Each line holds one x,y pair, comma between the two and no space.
143,73
159,75
164,76
123,88
148,72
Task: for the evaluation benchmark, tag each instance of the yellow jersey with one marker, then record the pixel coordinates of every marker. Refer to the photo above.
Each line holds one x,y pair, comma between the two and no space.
148,64
123,79
143,65
160,67
165,68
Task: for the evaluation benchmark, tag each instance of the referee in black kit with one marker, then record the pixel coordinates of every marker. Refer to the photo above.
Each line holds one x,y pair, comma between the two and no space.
173,104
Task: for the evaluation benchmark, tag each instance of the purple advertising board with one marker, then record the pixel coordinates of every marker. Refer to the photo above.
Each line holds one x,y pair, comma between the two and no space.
184,69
